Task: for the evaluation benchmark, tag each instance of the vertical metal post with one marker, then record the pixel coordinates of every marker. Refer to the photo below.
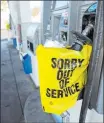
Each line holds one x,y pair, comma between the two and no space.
45,14
72,17
19,26
98,39
65,117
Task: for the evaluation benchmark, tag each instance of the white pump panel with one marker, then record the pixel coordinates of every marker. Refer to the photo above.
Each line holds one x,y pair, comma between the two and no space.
33,40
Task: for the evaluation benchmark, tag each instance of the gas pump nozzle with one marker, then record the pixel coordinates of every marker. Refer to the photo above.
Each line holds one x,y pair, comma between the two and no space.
81,38
87,29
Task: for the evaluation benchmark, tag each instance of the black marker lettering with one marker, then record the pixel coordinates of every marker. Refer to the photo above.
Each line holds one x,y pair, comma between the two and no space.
59,74
60,93
54,62
60,63
48,92
53,93
67,64
77,87
80,62
73,64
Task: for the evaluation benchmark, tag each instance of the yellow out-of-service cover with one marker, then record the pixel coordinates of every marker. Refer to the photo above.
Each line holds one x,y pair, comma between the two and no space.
62,76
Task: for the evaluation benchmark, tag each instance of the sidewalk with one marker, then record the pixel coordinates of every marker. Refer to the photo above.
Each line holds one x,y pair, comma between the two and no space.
19,97
15,85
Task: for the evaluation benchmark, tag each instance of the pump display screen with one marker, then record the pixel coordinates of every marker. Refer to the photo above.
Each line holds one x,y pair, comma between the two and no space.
63,26
64,20
64,36
92,8
31,47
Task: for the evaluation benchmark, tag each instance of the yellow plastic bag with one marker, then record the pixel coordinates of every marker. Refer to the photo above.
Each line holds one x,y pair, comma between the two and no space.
62,75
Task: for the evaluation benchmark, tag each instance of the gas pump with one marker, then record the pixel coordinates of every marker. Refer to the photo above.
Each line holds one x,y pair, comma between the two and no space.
88,21
86,36
33,40
63,27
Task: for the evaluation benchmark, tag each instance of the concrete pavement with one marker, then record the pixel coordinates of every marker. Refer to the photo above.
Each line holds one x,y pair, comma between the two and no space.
15,85
19,98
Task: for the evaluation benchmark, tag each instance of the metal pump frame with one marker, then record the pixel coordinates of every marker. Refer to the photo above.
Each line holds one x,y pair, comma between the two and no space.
96,54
